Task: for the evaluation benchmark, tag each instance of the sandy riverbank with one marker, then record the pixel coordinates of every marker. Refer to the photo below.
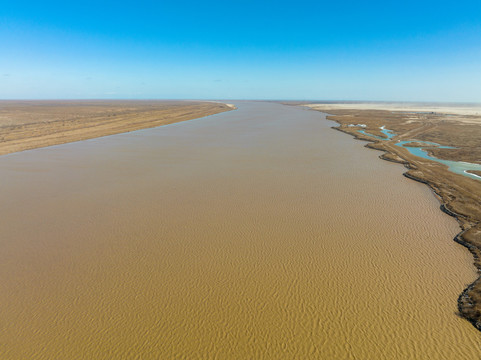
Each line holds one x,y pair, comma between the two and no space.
449,125
28,125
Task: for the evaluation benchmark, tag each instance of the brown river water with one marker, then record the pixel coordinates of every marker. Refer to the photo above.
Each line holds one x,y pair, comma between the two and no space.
259,233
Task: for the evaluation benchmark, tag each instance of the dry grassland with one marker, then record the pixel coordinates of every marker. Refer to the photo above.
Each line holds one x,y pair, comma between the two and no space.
28,125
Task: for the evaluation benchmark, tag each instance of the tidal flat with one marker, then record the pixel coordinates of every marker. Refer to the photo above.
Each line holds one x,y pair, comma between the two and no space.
255,233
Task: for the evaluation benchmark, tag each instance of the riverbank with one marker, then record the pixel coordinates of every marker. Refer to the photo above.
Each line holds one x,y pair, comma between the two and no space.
460,196
26,125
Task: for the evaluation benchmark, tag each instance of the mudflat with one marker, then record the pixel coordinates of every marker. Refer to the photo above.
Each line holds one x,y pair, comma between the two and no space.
256,233
31,124
450,134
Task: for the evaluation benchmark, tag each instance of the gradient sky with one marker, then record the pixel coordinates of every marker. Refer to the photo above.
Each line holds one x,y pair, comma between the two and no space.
353,50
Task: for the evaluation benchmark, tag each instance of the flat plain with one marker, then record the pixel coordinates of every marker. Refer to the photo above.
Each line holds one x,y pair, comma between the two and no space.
28,125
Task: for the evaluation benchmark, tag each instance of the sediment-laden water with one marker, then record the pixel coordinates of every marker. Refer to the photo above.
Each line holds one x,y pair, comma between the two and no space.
258,233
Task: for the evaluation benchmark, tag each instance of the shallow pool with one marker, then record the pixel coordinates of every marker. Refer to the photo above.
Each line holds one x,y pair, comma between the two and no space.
457,167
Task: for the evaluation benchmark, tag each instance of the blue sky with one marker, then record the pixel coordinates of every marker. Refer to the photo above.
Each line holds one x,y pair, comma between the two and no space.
353,50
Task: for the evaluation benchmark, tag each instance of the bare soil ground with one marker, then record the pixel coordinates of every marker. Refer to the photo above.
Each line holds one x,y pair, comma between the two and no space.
32,124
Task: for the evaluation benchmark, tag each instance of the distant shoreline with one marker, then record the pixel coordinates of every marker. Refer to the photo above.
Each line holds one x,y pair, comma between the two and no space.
31,124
